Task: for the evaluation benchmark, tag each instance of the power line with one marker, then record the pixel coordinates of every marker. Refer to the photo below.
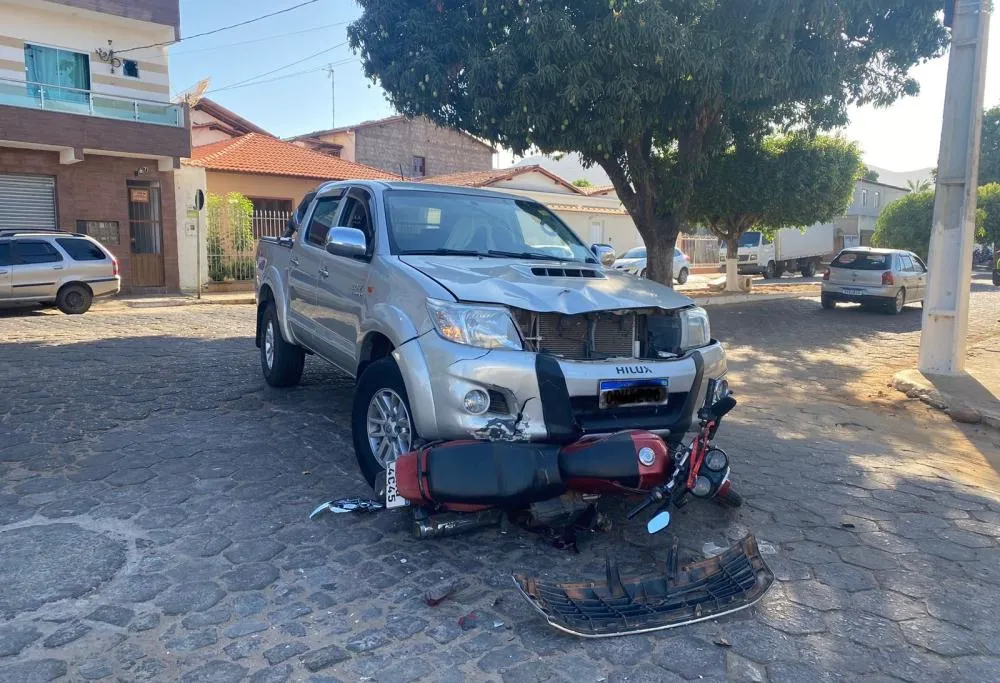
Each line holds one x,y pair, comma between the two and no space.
282,68
219,30
257,40
282,77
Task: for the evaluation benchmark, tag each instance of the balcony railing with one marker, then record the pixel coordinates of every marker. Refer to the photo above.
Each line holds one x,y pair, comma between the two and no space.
32,95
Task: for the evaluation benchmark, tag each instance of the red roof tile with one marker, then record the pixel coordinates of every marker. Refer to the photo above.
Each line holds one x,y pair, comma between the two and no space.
263,154
484,178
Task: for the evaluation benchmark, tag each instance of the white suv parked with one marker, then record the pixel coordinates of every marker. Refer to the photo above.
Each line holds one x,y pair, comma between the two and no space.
51,267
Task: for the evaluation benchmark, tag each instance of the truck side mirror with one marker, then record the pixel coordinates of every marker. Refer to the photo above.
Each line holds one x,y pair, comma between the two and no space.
605,254
349,242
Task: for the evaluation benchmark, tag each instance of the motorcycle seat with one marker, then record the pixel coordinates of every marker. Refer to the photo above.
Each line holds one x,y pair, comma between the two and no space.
500,474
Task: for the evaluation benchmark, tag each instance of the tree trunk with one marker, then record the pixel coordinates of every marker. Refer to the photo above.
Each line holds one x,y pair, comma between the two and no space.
732,267
660,241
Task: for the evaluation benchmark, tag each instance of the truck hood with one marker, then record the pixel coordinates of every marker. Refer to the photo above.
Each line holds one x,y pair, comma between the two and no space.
512,283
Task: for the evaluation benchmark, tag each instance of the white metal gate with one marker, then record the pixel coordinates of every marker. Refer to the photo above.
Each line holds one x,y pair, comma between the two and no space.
27,201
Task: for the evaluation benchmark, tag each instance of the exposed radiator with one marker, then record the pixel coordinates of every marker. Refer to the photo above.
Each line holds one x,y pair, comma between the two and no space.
580,337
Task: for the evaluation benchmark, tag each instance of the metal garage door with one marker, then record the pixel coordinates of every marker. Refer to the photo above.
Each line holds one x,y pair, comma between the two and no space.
27,201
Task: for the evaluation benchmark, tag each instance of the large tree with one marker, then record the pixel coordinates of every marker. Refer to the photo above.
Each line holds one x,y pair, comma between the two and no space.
787,181
907,222
989,156
650,89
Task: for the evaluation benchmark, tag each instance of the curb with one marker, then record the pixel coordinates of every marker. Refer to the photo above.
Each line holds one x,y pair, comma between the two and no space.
177,301
915,385
748,298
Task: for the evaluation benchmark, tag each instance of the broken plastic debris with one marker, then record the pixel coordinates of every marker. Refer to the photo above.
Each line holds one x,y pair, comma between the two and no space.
710,549
348,505
468,622
497,623
766,548
722,642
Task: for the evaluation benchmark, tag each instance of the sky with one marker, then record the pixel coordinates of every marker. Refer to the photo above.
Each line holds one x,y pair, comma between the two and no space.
902,137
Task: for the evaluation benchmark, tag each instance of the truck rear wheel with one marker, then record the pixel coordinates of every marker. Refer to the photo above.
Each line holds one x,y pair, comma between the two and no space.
809,269
280,361
381,420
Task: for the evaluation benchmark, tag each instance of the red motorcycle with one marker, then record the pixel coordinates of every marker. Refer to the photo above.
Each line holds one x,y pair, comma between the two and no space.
460,485
547,484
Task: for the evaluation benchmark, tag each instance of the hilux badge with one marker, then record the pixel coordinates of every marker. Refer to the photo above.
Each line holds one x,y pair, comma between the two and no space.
633,370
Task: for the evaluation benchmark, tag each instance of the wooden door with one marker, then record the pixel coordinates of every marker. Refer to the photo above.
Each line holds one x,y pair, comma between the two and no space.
145,234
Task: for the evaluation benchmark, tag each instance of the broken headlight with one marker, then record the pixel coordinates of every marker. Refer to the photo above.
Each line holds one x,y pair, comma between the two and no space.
487,327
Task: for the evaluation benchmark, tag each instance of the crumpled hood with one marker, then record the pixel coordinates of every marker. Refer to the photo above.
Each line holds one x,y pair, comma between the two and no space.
629,262
511,283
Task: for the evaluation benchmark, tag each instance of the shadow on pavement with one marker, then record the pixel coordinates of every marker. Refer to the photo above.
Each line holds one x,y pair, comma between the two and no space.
883,532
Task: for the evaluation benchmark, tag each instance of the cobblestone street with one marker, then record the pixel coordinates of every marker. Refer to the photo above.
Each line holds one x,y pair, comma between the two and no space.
154,501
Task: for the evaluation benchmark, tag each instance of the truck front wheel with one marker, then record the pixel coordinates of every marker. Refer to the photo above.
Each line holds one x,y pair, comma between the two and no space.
771,270
281,361
381,420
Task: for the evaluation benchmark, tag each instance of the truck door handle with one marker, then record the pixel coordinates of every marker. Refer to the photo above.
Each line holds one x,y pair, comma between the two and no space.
294,261
323,272
4,272
57,267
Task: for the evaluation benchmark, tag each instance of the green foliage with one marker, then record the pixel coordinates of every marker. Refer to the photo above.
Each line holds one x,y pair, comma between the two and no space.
787,181
989,155
243,268
869,175
908,221
240,210
648,90
218,270
921,185
989,203
583,182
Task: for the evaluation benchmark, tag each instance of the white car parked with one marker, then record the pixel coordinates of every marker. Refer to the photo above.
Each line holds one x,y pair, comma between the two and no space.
634,261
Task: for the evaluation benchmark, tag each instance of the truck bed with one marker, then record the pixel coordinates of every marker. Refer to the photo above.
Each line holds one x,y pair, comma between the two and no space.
816,240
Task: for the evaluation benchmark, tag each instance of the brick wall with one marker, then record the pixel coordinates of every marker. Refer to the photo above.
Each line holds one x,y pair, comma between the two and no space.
94,189
394,143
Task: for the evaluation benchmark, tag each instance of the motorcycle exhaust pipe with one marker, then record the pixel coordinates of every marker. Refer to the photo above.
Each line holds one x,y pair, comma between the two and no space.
437,525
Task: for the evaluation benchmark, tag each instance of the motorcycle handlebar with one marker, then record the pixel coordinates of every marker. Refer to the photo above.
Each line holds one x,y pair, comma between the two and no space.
654,496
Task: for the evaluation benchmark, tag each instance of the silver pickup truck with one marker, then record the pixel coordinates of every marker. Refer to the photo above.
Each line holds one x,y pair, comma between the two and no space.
465,313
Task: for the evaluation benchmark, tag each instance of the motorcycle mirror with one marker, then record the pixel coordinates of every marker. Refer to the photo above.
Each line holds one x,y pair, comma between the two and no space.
658,522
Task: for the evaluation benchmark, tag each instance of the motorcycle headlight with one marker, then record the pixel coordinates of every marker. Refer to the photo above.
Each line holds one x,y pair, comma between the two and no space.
695,330
487,327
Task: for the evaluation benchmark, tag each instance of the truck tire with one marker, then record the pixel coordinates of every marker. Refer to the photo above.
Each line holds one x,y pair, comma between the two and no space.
280,361
381,419
771,271
682,276
809,270
74,299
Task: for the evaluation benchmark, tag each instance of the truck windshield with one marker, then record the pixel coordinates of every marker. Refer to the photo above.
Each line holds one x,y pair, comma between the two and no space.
445,223
750,239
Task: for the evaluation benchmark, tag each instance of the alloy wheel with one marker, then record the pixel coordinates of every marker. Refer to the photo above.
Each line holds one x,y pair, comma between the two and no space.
389,431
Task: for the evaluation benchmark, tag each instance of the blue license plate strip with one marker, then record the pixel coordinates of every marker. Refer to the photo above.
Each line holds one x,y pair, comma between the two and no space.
624,393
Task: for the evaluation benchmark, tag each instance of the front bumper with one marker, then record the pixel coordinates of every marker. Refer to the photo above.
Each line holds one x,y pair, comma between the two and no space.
543,396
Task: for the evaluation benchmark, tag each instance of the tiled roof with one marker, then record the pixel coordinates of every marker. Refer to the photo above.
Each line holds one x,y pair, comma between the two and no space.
263,154
484,178
597,189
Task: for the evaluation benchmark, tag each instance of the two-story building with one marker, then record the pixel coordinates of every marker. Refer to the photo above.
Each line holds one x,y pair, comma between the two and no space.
857,224
88,135
411,148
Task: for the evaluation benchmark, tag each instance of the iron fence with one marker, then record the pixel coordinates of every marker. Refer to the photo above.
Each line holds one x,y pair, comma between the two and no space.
702,250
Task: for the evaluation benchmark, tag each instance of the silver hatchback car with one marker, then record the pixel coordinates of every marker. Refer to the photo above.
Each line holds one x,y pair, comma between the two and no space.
50,267
887,278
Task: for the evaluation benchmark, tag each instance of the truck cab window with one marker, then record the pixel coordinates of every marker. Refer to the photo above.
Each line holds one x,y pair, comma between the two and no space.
321,221
357,215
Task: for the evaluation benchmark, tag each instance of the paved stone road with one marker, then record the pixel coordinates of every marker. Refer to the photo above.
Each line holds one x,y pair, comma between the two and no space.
154,499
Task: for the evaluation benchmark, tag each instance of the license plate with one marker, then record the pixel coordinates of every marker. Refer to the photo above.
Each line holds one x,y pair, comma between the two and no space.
624,393
852,291
392,498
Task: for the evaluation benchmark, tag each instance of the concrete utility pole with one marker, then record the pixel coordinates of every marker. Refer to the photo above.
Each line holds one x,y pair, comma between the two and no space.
333,96
946,305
